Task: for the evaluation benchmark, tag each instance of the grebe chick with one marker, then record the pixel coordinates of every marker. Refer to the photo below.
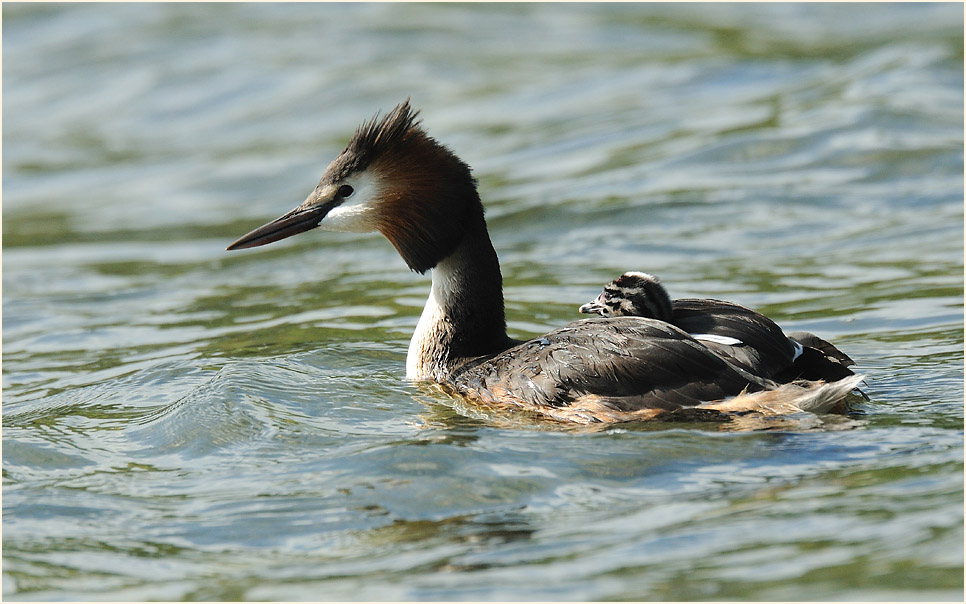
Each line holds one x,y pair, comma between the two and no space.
395,179
740,335
633,294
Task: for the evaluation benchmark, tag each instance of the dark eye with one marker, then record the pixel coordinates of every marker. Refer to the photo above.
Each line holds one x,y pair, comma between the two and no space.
345,191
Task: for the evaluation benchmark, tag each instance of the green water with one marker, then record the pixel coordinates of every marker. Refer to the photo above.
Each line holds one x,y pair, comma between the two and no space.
182,423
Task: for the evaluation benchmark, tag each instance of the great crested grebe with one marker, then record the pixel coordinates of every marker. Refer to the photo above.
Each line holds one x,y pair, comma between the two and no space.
742,336
394,178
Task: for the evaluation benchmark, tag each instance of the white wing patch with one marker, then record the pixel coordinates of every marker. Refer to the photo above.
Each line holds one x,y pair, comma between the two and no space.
710,337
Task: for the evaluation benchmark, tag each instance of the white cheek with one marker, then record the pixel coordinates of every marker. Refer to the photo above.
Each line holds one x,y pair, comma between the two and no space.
357,214
349,219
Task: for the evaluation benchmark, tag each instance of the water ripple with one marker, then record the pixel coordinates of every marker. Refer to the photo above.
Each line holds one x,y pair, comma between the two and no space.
185,424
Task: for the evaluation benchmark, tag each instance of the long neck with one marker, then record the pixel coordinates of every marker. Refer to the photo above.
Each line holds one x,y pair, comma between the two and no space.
463,317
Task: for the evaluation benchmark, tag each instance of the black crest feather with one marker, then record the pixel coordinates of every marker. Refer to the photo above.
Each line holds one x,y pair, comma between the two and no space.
379,136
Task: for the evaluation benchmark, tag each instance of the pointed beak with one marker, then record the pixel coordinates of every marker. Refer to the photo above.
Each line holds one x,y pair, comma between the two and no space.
303,218
593,308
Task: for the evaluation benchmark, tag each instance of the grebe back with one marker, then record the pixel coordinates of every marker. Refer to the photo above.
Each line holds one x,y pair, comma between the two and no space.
740,335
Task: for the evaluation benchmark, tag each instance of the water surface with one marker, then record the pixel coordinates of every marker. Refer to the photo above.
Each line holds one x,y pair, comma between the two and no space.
186,423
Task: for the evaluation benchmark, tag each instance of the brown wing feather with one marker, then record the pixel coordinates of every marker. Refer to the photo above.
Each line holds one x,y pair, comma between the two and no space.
766,351
622,363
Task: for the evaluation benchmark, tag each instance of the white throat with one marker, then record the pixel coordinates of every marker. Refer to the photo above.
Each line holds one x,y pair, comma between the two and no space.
427,349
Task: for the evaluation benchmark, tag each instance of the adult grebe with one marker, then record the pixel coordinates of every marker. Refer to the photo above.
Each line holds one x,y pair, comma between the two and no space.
394,178
740,335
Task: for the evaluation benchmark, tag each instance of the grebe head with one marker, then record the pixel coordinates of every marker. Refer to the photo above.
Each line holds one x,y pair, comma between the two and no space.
632,294
393,178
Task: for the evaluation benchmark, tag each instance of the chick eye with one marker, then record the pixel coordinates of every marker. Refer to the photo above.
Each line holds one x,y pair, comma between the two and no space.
345,191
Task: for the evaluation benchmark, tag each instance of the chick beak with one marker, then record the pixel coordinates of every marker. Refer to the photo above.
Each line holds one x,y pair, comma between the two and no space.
303,218
593,308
